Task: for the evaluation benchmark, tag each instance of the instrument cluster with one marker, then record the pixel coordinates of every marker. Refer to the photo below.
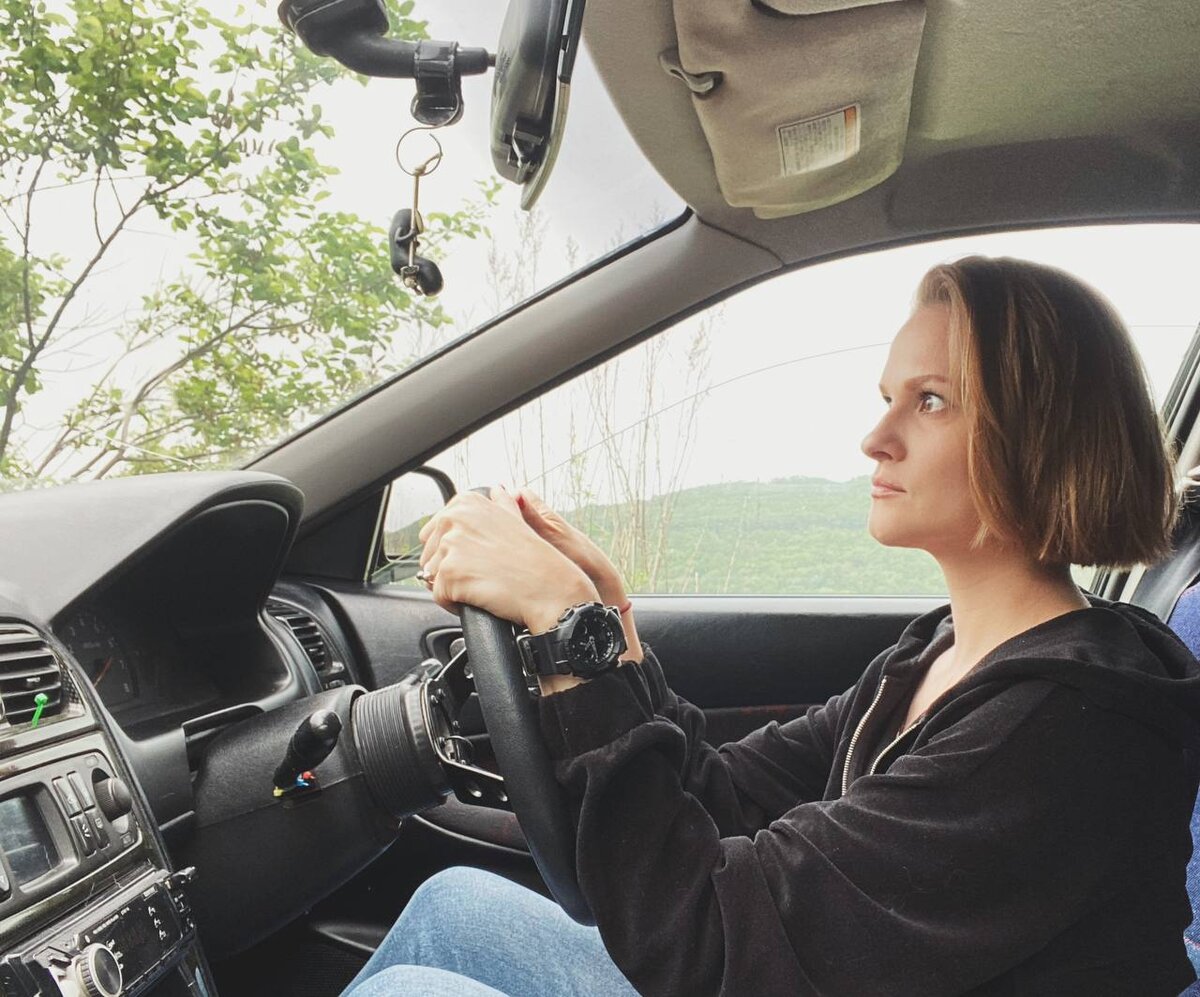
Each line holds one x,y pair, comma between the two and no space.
141,669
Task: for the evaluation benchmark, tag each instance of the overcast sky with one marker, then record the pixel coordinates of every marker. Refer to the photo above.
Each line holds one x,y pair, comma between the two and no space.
603,192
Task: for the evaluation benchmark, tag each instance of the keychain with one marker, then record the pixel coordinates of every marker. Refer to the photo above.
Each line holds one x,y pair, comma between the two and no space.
416,272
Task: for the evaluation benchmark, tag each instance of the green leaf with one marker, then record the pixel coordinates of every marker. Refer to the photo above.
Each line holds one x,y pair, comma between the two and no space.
90,28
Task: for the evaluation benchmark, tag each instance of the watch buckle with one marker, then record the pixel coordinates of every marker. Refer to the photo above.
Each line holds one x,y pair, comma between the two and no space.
527,662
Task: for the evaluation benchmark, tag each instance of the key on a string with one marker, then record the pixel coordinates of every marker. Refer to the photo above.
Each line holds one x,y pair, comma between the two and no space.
416,272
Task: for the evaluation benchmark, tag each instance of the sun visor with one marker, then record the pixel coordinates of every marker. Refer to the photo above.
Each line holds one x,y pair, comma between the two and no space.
804,102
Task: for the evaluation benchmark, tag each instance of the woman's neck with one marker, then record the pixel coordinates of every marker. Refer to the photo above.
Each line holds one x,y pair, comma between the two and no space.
995,595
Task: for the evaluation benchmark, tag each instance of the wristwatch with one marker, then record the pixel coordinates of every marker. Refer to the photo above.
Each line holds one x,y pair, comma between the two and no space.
587,641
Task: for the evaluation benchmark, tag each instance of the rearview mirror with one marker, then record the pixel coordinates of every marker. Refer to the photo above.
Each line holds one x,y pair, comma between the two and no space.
534,60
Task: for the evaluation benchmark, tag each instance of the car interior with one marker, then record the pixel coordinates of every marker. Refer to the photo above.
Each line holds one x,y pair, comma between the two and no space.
256,737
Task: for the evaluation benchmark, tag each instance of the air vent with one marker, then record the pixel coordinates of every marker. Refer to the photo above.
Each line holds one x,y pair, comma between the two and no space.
307,632
27,667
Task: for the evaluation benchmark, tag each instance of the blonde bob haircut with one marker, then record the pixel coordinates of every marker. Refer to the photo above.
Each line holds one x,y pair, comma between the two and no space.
1066,454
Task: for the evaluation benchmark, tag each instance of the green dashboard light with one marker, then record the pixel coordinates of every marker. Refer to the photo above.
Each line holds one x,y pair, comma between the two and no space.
39,702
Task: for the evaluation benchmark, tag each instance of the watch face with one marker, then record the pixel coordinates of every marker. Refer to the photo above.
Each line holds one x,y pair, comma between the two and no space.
592,643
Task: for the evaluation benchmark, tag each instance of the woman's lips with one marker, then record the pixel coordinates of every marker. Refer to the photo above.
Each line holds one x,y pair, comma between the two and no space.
881,489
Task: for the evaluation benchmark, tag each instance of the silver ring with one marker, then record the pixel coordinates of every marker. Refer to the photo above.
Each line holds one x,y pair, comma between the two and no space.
426,578
430,164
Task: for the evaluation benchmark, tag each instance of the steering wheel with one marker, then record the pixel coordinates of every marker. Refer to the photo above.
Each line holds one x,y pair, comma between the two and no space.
511,716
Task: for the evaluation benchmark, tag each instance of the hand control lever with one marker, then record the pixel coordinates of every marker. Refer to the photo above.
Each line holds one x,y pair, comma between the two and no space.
314,739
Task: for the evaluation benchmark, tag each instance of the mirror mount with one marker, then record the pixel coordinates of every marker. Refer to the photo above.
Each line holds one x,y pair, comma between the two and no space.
351,31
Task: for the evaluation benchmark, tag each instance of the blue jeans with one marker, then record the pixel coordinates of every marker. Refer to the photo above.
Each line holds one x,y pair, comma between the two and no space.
469,933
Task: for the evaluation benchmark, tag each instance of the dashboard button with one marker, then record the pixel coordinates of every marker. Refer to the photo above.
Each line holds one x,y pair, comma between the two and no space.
81,790
98,827
84,827
67,795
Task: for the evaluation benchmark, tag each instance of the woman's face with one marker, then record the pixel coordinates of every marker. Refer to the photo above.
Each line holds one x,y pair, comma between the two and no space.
920,445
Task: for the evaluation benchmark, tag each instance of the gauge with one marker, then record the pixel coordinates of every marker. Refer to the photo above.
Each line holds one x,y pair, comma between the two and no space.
104,660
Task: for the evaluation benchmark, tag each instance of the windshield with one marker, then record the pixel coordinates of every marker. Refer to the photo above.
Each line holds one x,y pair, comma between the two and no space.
194,257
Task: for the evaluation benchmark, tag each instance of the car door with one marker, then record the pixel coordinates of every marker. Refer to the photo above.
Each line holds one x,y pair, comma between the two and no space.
718,464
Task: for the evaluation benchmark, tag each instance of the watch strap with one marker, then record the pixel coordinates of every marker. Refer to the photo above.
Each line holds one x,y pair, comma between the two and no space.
543,657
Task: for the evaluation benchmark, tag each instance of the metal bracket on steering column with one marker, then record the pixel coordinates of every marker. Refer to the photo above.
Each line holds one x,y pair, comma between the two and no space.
445,693
350,30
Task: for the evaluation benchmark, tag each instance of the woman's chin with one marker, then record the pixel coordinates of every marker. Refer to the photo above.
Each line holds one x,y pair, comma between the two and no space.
887,534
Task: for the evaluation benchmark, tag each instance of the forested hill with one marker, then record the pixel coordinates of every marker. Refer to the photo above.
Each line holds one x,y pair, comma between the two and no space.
803,536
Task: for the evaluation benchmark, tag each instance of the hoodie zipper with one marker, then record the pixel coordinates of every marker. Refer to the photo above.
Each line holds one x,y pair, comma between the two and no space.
857,731
896,740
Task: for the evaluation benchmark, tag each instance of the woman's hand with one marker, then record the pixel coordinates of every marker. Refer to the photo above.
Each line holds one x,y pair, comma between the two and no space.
574,544
479,552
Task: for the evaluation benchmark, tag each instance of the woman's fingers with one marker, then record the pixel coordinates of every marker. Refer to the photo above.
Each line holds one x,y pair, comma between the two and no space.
456,511
433,531
430,568
440,596
506,500
541,517
532,502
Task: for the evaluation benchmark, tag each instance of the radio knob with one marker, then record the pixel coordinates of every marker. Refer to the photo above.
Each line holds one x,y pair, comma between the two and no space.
113,797
98,972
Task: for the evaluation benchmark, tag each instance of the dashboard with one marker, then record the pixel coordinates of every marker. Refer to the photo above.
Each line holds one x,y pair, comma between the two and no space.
160,593
189,666
152,595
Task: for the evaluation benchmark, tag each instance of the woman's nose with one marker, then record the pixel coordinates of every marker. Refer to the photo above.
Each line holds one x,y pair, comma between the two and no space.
882,441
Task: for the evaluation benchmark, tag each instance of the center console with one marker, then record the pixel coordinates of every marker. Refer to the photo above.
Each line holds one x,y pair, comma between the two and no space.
88,902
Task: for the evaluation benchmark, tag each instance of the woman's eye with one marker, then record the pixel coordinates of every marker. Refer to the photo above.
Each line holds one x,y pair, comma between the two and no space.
926,396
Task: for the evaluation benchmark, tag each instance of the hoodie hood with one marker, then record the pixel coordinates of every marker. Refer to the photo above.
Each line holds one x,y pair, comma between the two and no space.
1122,657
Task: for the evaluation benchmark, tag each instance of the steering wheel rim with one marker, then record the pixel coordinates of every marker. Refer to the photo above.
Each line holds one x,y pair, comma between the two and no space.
511,717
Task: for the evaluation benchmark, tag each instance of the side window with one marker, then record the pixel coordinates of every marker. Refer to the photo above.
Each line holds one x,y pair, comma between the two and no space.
723,456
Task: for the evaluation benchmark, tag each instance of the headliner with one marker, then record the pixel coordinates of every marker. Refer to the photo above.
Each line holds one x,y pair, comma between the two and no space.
1023,112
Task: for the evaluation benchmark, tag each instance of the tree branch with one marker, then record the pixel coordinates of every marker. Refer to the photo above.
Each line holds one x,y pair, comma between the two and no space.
121,437
20,375
113,185
96,206
26,293
76,183
10,219
90,464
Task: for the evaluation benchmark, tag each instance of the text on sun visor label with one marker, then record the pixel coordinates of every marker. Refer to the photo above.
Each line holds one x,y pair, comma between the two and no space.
818,142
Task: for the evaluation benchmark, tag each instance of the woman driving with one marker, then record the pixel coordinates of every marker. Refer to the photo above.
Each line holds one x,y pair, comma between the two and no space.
1000,804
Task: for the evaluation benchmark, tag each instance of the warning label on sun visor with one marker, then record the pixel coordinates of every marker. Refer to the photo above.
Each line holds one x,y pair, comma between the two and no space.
818,142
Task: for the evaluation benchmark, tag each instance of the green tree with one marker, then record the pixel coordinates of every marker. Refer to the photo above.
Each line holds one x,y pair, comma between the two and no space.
283,310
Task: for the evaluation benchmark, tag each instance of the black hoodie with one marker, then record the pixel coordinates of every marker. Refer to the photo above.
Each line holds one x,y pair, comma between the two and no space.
1030,837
